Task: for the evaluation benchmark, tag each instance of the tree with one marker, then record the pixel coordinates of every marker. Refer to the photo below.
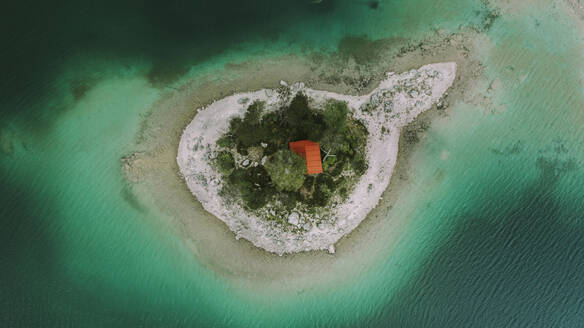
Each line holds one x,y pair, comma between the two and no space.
248,131
225,163
335,115
252,184
286,169
254,112
303,122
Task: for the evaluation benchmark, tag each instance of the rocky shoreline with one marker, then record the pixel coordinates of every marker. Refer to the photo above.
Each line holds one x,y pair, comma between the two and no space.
396,102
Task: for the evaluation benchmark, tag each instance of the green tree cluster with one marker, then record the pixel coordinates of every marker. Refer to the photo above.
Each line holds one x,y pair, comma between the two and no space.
335,116
225,163
283,177
248,131
252,184
286,169
301,121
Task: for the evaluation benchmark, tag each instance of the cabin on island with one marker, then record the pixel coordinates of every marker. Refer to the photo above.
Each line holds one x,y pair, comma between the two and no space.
310,150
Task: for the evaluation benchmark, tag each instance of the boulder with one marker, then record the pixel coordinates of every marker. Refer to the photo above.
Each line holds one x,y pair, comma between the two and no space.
331,249
294,218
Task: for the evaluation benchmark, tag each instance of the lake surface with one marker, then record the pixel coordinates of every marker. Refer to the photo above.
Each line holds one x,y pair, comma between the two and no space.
496,197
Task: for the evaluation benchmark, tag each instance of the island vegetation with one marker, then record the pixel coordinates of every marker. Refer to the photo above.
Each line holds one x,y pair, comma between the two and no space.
258,167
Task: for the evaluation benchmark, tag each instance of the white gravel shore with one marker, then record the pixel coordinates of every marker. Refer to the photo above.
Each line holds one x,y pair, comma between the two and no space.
393,104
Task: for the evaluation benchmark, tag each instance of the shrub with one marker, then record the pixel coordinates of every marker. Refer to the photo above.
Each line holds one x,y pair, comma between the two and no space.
225,141
335,115
247,135
301,121
288,199
359,164
248,132
328,162
319,190
253,186
322,195
234,124
225,163
254,112
286,169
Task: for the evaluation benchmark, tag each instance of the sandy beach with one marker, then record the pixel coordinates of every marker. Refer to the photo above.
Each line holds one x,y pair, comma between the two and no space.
154,176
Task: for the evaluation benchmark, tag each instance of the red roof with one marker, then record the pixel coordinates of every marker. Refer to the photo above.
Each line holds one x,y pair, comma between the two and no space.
310,150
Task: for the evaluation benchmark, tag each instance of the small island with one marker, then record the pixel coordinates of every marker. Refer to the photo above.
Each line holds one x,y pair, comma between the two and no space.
272,162
294,169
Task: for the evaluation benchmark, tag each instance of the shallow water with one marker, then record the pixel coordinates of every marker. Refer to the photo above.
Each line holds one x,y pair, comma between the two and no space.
494,195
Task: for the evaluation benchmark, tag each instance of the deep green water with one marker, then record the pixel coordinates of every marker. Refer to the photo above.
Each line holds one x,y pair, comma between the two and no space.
497,234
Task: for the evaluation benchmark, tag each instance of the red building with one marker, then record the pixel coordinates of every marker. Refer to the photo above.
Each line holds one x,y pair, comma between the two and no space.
310,150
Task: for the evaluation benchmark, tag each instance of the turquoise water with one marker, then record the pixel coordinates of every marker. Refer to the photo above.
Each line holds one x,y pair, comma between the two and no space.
496,234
